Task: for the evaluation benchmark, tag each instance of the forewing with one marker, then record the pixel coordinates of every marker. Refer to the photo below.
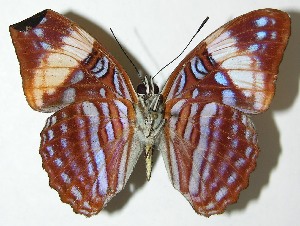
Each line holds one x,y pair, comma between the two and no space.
209,150
237,65
61,64
89,150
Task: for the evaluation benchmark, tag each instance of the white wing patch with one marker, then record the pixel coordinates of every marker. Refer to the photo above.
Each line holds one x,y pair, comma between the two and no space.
242,63
222,47
247,80
56,67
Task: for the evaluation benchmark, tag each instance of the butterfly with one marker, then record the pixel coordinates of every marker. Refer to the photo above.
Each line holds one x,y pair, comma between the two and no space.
199,122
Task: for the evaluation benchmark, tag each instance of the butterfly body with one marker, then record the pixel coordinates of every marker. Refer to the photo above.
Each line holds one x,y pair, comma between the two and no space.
150,120
199,122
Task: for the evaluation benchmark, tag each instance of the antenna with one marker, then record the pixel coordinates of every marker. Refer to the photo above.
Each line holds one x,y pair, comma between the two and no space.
126,55
203,23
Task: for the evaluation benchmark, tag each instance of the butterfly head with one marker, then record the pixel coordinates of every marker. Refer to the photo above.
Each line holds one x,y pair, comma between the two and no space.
150,100
148,87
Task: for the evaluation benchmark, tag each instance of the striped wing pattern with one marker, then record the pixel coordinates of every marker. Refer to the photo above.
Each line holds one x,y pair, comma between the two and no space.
62,64
209,144
89,150
209,150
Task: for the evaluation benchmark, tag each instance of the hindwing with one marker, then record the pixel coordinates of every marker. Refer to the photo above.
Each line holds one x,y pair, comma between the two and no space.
209,150
89,150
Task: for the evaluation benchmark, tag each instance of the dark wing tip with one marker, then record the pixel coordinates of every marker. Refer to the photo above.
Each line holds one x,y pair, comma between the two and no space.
30,22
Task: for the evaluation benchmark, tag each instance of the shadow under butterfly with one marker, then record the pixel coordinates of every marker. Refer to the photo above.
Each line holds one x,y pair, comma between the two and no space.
199,122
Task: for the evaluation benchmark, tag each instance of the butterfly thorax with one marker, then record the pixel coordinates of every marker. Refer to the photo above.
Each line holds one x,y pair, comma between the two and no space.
150,121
